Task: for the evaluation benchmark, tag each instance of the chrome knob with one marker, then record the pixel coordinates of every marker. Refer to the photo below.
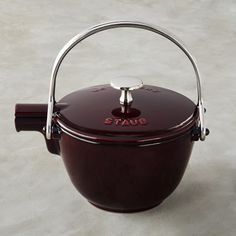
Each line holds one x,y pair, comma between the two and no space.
126,85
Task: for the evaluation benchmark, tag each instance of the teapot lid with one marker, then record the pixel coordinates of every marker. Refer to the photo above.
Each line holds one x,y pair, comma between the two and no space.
105,114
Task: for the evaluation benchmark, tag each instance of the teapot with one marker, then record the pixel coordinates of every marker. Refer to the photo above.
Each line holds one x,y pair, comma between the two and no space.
126,144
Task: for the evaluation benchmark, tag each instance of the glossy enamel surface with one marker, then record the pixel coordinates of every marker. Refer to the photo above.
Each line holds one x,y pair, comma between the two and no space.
125,178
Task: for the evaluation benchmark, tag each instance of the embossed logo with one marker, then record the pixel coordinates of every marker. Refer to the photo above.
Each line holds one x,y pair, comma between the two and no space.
125,122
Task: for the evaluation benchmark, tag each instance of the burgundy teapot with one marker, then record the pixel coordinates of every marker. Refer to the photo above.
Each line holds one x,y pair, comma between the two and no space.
125,144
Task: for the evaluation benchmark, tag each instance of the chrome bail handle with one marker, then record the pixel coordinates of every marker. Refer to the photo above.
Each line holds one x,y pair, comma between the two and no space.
121,24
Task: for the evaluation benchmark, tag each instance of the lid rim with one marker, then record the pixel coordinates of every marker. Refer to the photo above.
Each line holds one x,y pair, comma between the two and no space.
70,126
96,139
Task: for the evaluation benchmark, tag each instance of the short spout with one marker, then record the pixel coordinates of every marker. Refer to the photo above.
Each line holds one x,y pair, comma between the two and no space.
32,117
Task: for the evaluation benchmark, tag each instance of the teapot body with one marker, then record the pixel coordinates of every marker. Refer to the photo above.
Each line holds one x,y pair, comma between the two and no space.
114,170
126,178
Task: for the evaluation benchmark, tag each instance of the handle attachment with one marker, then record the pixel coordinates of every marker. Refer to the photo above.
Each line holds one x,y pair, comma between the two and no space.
118,24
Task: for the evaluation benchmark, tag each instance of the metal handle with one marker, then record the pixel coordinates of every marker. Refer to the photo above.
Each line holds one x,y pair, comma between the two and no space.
117,24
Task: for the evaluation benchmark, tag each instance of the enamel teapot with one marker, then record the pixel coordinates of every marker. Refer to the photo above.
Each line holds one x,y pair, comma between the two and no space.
126,144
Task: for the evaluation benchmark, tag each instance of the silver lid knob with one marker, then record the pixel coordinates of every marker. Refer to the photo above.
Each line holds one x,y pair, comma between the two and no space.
126,85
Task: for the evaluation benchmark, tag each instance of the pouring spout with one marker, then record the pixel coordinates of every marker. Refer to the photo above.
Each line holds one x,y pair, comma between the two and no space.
32,117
